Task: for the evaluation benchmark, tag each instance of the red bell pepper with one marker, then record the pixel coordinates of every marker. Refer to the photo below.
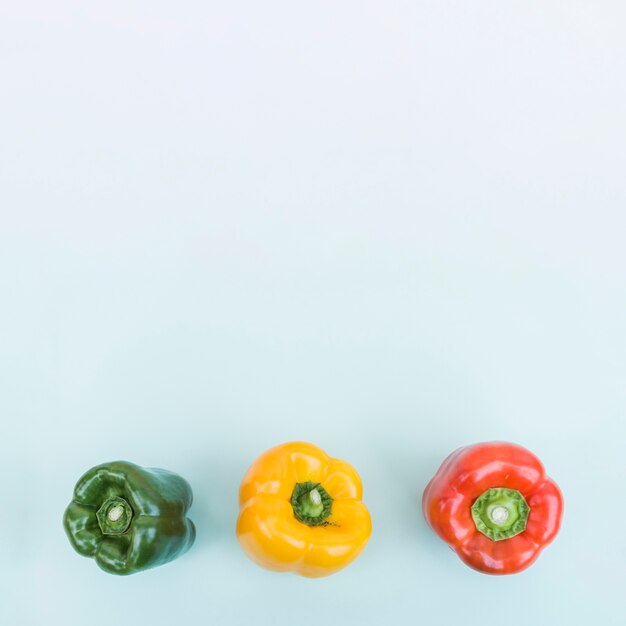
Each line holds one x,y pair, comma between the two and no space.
493,504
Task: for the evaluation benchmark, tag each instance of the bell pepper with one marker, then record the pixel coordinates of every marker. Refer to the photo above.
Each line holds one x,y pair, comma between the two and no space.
130,518
301,511
493,504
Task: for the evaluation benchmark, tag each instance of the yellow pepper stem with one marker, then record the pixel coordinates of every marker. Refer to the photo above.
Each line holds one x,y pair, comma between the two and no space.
311,503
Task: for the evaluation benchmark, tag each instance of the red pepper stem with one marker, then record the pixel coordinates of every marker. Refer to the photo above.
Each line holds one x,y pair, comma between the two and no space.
500,513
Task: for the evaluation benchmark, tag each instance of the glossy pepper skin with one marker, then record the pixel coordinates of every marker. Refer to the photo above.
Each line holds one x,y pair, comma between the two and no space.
301,511
500,489
129,518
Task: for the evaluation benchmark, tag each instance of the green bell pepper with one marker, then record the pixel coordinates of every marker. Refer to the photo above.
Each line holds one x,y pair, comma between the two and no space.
130,518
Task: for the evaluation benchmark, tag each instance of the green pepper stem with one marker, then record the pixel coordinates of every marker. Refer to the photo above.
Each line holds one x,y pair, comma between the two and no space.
115,513
311,503
114,516
500,513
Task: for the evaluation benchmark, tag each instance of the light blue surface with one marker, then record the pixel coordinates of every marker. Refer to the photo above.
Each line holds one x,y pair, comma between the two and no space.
390,228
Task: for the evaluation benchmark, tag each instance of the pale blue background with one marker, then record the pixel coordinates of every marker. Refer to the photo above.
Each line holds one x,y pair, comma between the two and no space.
390,228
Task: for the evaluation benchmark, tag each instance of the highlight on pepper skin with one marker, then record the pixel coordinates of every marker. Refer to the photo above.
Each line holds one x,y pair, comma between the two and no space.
493,504
301,511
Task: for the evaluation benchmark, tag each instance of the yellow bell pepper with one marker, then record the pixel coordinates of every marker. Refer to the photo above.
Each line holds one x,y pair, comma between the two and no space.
301,511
